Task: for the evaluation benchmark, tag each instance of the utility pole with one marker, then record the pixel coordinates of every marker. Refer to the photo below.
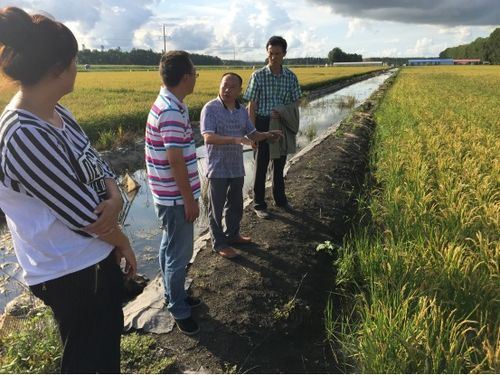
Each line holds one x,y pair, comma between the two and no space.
164,39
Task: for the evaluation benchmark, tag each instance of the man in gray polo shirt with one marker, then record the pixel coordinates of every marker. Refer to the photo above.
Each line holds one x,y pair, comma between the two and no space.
226,127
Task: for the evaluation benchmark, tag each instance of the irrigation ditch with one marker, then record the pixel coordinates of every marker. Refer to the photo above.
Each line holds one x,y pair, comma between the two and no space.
263,311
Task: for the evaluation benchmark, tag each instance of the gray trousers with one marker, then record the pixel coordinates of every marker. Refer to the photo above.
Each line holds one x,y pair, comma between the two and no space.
225,201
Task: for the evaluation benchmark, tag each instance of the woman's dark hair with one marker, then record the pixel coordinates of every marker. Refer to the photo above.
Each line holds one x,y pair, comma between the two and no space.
277,41
234,75
173,66
30,46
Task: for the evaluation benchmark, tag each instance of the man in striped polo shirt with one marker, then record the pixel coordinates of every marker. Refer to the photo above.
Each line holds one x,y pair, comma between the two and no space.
173,179
271,86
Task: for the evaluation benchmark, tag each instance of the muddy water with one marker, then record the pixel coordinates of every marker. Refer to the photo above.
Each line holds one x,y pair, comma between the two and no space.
141,225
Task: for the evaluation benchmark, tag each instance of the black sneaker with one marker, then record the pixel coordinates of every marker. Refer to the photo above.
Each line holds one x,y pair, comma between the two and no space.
193,301
187,326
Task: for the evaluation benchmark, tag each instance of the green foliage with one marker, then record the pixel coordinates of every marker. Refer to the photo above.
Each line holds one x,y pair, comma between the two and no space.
135,57
35,348
337,55
348,101
140,354
486,49
310,132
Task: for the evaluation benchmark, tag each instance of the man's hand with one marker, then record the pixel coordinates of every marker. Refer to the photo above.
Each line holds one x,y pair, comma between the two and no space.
276,134
191,210
108,211
246,141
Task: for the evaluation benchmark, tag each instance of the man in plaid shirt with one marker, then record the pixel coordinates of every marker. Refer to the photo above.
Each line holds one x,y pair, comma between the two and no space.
271,86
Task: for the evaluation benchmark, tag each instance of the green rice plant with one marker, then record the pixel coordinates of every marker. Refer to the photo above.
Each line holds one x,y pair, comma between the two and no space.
310,132
424,273
106,140
346,102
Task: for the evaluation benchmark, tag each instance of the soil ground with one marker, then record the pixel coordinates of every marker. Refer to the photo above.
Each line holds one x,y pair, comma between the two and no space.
263,312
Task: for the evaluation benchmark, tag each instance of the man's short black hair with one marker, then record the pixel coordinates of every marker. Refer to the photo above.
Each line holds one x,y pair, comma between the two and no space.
173,66
277,41
234,75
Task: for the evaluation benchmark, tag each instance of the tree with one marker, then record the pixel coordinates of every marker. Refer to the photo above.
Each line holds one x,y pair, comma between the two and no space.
486,49
337,55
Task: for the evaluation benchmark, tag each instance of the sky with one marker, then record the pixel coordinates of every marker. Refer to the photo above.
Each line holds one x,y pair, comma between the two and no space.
239,29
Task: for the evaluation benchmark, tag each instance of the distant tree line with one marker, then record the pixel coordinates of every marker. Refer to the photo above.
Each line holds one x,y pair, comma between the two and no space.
286,61
306,61
135,57
337,55
148,57
486,49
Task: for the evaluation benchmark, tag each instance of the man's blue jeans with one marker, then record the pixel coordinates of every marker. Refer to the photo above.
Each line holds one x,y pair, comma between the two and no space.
176,250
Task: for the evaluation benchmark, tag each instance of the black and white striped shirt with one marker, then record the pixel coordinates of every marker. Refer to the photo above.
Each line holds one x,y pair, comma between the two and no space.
55,166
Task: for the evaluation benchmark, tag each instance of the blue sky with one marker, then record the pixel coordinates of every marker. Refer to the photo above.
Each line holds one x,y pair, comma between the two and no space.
398,28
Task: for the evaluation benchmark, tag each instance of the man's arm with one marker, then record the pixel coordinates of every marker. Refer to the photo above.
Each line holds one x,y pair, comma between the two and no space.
272,135
217,139
252,110
179,170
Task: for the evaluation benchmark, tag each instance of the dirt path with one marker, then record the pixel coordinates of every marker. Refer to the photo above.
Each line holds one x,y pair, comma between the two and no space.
263,312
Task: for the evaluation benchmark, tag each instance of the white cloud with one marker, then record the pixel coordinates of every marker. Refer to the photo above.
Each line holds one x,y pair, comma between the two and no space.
426,47
241,29
355,25
110,23
389,52
392,40
191,37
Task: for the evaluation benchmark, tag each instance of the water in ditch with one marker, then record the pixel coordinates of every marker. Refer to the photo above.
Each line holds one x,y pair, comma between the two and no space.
141,224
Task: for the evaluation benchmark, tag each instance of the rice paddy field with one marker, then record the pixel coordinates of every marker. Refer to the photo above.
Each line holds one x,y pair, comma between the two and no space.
111,104
424,271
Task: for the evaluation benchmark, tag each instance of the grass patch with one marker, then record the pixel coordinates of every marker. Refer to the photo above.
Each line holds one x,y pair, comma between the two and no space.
36,348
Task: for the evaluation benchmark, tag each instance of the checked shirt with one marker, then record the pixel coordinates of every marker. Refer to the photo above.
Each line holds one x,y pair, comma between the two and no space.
271,91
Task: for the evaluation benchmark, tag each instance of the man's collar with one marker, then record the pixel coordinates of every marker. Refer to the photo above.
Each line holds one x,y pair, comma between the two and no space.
269,71
237,103
165,92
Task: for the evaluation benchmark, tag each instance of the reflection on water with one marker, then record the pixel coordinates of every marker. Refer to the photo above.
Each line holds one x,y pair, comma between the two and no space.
141,224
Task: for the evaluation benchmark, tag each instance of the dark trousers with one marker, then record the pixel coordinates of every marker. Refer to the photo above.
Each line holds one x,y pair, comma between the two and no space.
225,201
88,311
261,156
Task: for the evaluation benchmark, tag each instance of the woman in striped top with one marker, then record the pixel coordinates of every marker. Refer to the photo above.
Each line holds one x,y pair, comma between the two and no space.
60,199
